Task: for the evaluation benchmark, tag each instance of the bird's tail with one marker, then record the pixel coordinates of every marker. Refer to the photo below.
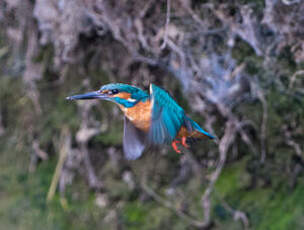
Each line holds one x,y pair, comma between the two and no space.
192,125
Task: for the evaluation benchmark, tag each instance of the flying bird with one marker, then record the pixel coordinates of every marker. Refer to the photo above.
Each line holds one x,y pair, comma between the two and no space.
151,119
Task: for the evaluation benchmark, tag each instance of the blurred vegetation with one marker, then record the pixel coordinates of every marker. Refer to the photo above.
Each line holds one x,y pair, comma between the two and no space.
36,76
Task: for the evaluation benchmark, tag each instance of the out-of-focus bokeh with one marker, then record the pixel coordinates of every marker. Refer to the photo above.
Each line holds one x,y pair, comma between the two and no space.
237,69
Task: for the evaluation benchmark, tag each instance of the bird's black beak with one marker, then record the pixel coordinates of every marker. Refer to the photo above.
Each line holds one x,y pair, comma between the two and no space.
88,96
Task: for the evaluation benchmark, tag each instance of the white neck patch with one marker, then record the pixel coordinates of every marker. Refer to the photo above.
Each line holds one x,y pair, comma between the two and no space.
131,99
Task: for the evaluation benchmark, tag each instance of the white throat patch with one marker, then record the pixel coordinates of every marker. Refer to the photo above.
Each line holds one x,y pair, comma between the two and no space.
131,99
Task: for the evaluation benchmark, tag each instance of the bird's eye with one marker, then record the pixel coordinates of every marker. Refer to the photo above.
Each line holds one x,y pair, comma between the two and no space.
114,91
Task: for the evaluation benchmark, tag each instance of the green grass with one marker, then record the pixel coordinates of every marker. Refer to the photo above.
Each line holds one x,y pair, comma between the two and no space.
267,209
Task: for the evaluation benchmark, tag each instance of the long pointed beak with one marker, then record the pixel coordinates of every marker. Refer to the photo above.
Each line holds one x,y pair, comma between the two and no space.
87,96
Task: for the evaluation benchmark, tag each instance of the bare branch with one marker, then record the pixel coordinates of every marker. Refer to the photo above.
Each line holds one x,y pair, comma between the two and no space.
245,30
294,77
261,97
193,14
83,135
2,130
224,144
146,8
166,26
292,142
290,2
236,214
64,148
171,206
38,151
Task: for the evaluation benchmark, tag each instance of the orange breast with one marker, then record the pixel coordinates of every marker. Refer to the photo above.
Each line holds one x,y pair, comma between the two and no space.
139,115
183,132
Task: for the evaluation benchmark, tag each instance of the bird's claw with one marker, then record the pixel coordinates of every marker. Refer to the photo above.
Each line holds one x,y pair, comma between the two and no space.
174,146
184,139
183,142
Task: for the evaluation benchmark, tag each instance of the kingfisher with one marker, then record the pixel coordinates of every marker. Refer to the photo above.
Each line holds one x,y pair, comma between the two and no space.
150,119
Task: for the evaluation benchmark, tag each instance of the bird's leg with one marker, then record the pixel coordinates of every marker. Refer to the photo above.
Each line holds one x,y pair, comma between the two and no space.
174,146
184,139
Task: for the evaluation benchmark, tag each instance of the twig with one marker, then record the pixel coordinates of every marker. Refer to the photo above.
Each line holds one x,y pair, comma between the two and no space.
139,26
291,142
192,13
290,2
224,144
295,145
237,214
171,206
93,180
261,96
245,30
35,155
33,70
293,78
146,8
64,148
83,136
167,24
2,130
226,112
38,151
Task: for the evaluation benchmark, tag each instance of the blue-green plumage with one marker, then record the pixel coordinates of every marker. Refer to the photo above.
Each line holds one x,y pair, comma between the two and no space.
136,93
166,122
167,117
195,126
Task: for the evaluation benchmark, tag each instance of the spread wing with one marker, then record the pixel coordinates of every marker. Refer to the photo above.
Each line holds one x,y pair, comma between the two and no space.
133,141
167,117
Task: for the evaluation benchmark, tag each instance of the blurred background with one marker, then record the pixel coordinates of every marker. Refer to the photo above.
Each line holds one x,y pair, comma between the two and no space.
237,69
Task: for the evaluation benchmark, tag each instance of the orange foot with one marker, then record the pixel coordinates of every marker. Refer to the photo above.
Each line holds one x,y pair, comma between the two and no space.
184,139
174,146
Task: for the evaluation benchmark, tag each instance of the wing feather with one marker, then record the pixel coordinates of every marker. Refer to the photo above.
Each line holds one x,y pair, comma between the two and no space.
167,117
133,141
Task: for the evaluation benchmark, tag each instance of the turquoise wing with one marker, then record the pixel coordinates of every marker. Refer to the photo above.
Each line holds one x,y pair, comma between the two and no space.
167,117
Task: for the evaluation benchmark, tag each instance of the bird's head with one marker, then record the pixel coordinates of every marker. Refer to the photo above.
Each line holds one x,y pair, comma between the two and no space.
123,94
